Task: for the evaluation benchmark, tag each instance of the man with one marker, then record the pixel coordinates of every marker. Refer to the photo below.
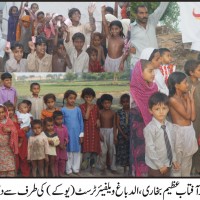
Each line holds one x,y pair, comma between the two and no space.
143,30
38,60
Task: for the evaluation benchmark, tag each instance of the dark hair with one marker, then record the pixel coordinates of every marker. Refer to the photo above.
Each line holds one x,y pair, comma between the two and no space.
158,98
124,96
153,54
40,13
34,4
99,104
106,97
10,10
97,34
9,104
91,50
139,6
88,91
60,42
144,64
68,93
175,78
29,103
40,39
6,75
109,10
47,119
36,121
57,113
14,45
72,11
163,50
78,36
49,96
119,24
33,84
20,104
190,66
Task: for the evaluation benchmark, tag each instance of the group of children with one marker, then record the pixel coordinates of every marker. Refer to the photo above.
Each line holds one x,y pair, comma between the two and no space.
51,43
40,139
165,119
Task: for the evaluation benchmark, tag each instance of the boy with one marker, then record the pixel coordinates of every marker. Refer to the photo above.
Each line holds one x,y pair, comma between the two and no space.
107,133
16,63
166,67
36,100
159,149
7,92
78,57
61,130
192,69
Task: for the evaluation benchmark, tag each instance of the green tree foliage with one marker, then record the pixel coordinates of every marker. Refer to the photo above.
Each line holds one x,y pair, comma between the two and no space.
170,17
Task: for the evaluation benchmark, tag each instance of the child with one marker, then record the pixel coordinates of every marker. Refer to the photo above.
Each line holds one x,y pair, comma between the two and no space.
167,67
86,29
108,133
8,143
36,100
158,134
78,57
49,100
21,158
115,59
91,143
60,59
53,143
96,43
94,65
16,63
12,23
7,92
182,110
24,32
73,120
38,148
192,69
33,10
123,126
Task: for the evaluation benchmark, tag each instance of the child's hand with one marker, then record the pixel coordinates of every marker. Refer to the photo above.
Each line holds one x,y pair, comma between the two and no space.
51,142
7,50
91,9
115,140
101,137
191,93
26,129
125,137
31,45
163,170
19,144
103,9
176,165
81,140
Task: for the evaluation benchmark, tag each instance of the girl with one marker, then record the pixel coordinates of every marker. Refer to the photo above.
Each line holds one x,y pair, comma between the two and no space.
38,148
96,43
141,88
73,120
53,143
94,65
182,110
91,144
49,100
61,130
12,24
123,125
115,59
8,144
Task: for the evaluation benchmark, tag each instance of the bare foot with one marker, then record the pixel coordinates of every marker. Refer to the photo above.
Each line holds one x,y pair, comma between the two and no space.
77,174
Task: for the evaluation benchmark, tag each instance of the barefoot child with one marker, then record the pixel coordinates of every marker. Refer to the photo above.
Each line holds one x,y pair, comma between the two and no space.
73,120
38,148
123,126
107,133
115,59
61,130
8,144
91,143
53,143
182,110
49,100
192,69
159,147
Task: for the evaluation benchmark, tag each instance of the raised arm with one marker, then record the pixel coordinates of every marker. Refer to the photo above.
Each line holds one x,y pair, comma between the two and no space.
105,25
116,9
191,96
91,9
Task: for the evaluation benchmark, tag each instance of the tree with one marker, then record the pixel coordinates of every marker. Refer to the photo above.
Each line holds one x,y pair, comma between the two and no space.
170,17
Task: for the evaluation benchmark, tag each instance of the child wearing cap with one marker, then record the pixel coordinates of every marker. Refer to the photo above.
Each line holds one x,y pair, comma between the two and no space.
38,59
